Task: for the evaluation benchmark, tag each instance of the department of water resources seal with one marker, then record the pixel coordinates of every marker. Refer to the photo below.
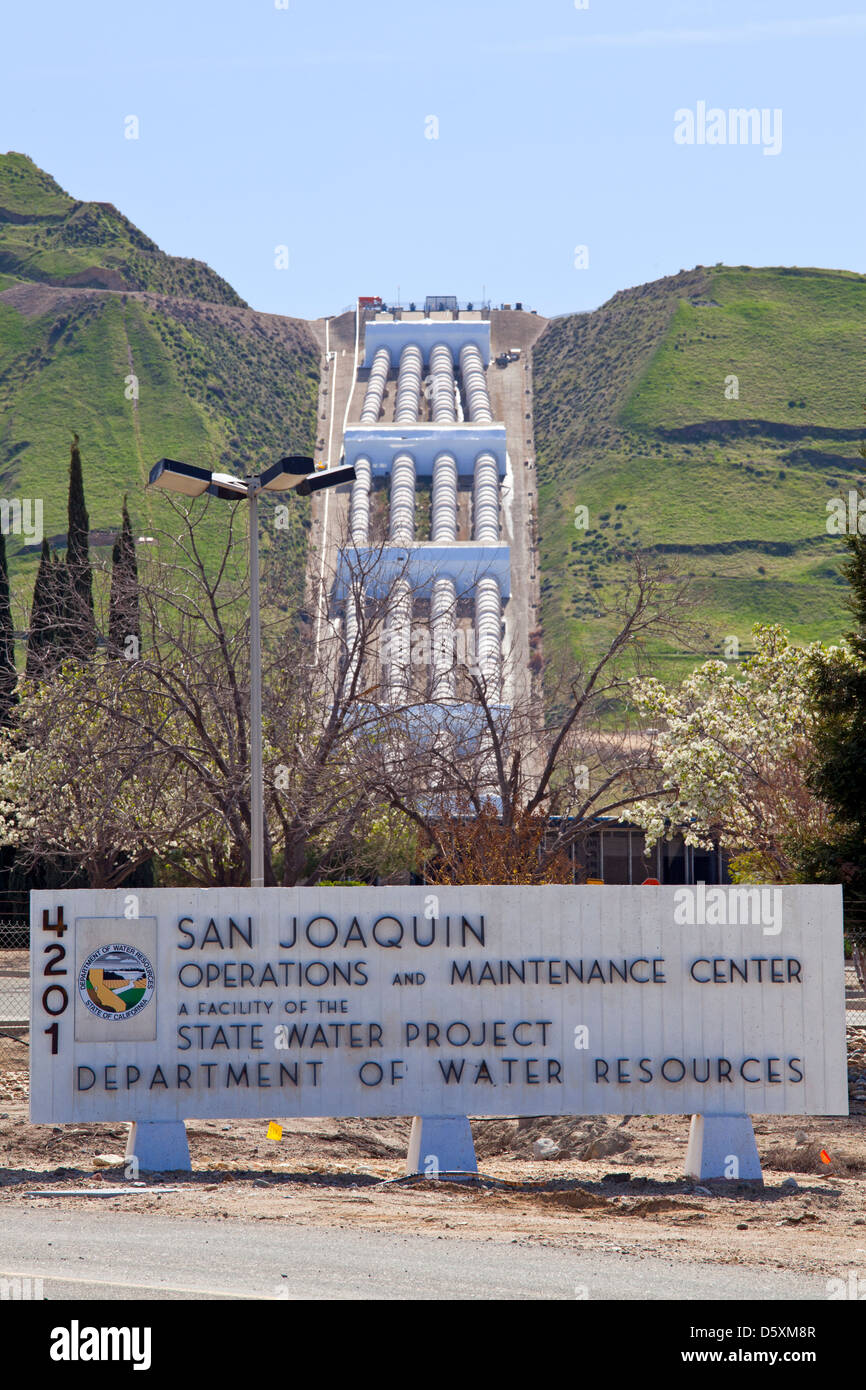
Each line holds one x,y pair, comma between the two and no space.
116,981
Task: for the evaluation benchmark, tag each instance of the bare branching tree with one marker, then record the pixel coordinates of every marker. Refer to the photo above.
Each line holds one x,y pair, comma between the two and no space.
141,751
550,773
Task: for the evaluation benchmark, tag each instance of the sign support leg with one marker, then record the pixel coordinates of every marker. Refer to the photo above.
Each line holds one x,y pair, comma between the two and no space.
723,1146
160,1147
441,1145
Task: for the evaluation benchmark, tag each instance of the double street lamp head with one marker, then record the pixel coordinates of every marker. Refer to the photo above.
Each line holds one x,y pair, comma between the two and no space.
295,473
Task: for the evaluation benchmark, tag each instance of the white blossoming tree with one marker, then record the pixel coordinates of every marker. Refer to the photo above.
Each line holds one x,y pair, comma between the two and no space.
78,786
733,747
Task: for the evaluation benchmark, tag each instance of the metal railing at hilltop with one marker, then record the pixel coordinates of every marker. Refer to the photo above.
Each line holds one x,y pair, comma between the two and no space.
418,306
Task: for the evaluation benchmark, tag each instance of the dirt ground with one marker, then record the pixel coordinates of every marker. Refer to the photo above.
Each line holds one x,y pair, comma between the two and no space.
606,1183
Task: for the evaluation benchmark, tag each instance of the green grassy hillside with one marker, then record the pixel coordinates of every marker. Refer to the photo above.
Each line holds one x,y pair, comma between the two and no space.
637,419
86,304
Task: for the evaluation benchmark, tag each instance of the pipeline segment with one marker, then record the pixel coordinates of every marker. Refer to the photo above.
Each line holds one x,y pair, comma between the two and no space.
408,385
402,532
488,635
359,507
475,385
485,499
443,599
442,407
376,387
399,639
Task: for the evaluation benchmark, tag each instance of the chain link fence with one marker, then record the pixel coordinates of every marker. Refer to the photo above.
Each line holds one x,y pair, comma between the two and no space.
855,959
855,994
14,961
14,974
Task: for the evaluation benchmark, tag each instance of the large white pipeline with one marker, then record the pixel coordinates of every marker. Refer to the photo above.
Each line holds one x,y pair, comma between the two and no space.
359,529
488,600
359,507
351,655
443,505
475,385
408,385
402,532
488,634
399,639
376,387
402,527
442,407
485,499
402,518
443,600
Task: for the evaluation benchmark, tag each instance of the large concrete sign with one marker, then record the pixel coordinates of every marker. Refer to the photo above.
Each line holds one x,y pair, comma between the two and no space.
159,1004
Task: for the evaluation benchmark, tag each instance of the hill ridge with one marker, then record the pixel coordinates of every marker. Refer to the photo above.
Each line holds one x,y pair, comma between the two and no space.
49,237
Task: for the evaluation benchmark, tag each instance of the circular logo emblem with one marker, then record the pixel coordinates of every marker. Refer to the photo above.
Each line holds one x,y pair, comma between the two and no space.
116,982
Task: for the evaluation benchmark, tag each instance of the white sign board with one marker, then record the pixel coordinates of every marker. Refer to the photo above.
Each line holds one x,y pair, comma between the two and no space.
158,1004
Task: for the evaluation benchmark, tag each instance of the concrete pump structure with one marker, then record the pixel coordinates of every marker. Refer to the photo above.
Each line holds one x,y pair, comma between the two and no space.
459,443
479,529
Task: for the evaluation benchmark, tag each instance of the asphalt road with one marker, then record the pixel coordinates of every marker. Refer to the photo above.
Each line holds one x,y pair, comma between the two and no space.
120,1256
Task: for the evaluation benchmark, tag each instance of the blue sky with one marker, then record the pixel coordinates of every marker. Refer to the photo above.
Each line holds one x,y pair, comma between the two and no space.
307,126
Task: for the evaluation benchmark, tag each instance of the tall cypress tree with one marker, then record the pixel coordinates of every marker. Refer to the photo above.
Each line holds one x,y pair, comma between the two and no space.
8,674
42,636
54,626
78,559
70,628
123,614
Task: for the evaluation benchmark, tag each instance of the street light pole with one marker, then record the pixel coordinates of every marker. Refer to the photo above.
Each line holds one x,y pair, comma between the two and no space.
290,474
257,791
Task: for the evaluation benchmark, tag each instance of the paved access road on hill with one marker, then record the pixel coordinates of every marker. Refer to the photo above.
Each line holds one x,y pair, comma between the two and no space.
116,1255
